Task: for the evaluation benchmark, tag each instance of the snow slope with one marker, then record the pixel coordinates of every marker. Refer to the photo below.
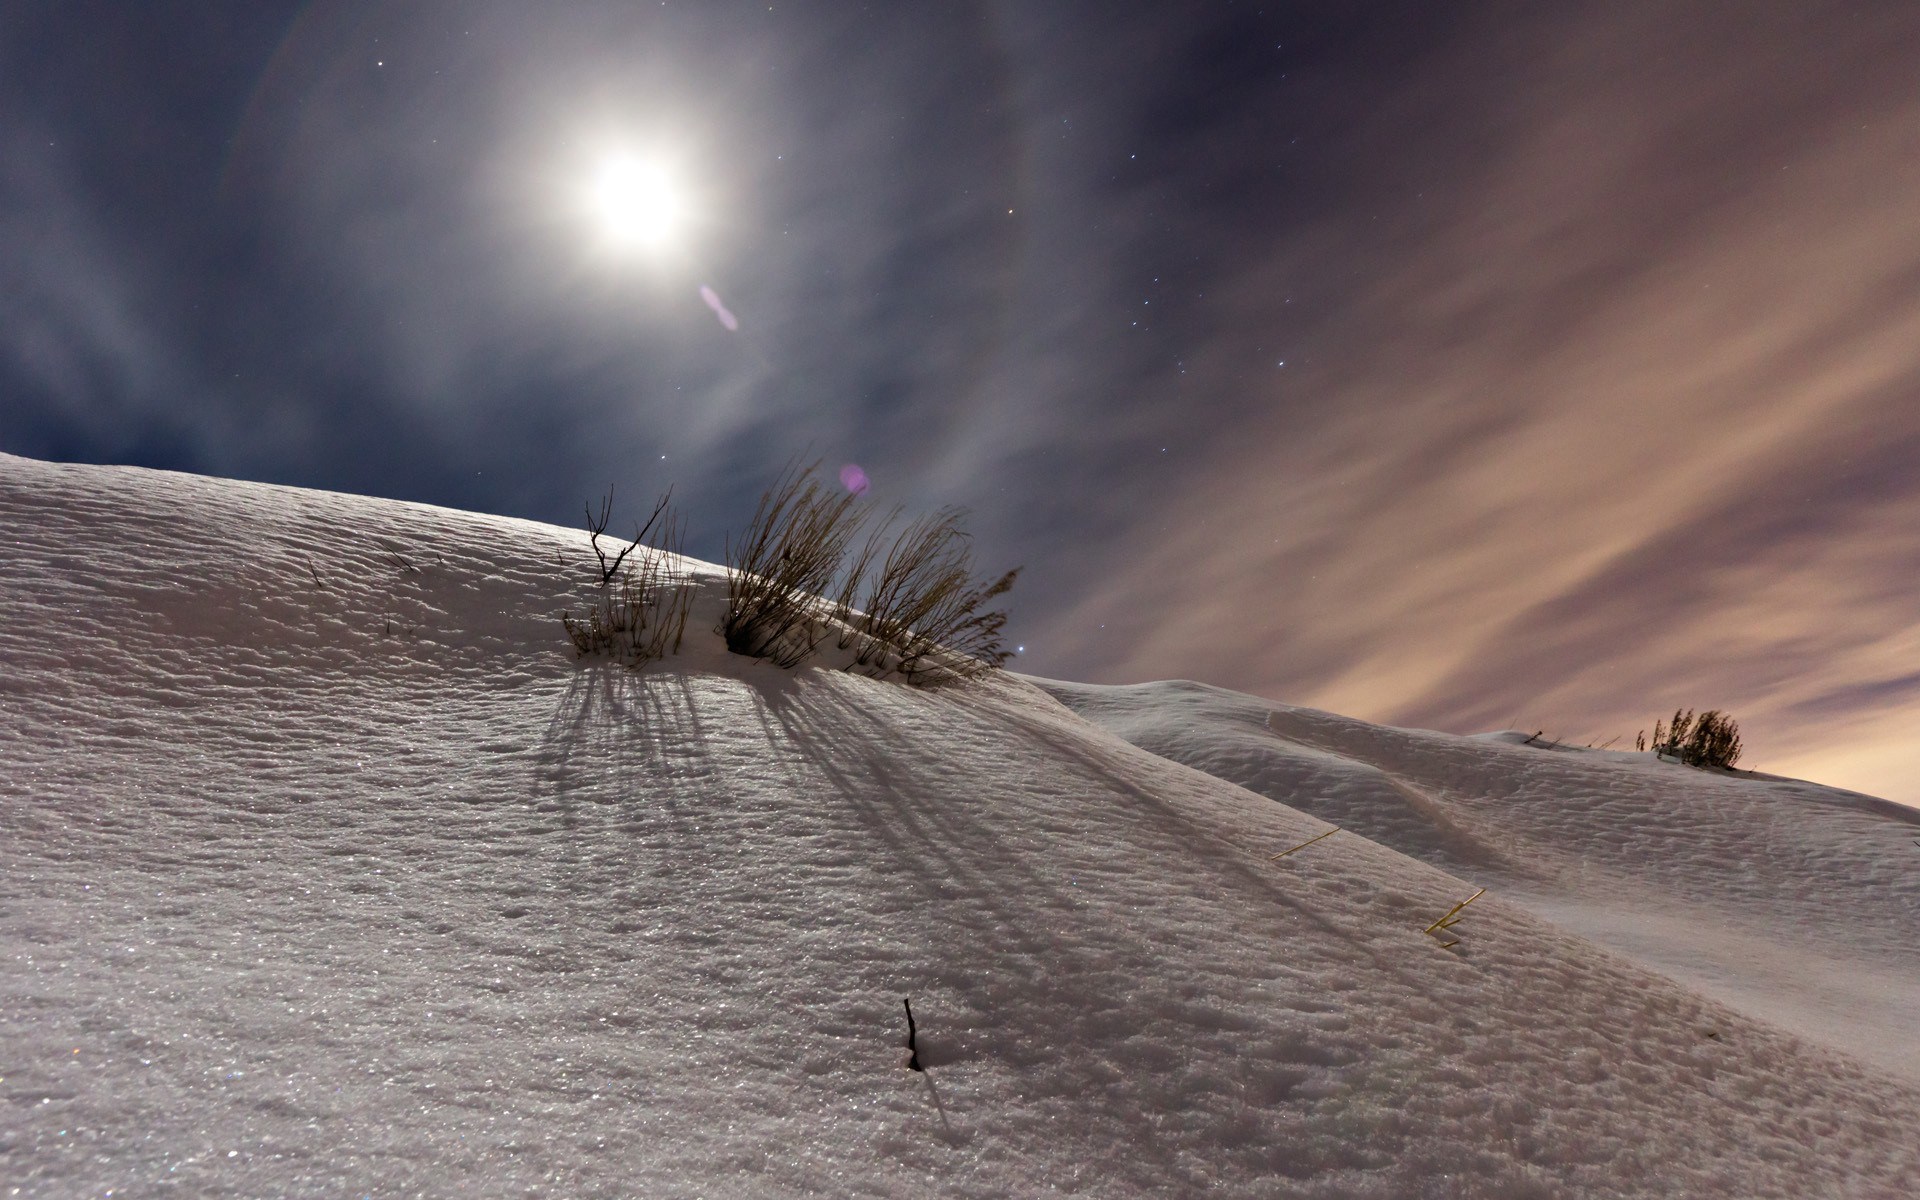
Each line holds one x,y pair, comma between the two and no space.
1794,902
327,870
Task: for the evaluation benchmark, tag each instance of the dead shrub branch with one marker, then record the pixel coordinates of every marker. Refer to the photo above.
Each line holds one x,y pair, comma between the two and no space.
641,613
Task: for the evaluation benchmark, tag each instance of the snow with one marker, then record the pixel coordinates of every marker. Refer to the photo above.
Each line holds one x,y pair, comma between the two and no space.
328,869
1794,902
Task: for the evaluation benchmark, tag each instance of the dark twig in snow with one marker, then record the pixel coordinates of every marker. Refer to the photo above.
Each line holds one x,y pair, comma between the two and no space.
609,567
400,560
913,1051
643,618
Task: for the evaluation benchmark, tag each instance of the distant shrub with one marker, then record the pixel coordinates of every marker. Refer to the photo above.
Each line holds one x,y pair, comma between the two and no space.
1710,740
641,612
906,604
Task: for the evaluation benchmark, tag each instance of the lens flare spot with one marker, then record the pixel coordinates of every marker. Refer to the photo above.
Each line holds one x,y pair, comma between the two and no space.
727,320
854,479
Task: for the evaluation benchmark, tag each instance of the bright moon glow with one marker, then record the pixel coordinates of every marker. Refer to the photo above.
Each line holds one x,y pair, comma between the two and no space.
637,202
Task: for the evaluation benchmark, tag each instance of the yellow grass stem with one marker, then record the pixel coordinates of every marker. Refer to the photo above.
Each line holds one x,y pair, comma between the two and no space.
1453,918
1303,845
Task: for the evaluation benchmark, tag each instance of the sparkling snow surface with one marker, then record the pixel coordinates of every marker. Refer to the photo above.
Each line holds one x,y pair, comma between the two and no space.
326,869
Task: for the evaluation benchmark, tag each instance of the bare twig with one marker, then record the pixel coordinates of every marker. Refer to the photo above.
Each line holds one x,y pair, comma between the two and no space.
913,1051
398,559
611,567
645,616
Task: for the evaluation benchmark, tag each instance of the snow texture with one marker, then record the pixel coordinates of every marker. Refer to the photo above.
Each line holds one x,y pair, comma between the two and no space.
328,869
1797,903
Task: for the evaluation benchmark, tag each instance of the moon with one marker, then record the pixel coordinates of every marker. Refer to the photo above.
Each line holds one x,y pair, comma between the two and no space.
637,202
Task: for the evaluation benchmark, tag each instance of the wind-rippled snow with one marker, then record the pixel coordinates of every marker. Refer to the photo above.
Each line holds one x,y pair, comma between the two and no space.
327,869
1795,902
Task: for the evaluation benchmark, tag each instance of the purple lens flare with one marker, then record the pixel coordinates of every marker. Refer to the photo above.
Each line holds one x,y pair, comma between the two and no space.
728,321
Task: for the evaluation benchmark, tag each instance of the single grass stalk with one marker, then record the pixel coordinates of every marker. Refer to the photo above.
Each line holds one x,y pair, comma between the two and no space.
1303,845
1453,918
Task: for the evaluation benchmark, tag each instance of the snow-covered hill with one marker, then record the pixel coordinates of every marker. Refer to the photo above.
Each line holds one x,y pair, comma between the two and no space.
1797,903
326,869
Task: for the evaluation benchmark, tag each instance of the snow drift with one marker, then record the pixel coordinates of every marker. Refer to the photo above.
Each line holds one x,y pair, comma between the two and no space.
1795,902
328,869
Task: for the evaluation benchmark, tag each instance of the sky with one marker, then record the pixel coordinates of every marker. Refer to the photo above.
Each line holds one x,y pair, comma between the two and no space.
1539,365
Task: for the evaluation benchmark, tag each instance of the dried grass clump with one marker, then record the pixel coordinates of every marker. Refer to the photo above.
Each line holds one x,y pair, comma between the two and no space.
641,613
906,604
789,555
1710,740
921,615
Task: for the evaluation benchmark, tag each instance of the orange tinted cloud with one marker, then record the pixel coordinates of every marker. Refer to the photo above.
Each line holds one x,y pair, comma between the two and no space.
1624,414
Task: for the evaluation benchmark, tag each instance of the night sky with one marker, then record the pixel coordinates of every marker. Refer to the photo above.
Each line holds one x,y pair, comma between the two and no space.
1543,365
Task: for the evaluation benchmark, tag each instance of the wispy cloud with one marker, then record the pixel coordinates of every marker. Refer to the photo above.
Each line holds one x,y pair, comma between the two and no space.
1621,416
1433,365
76,322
